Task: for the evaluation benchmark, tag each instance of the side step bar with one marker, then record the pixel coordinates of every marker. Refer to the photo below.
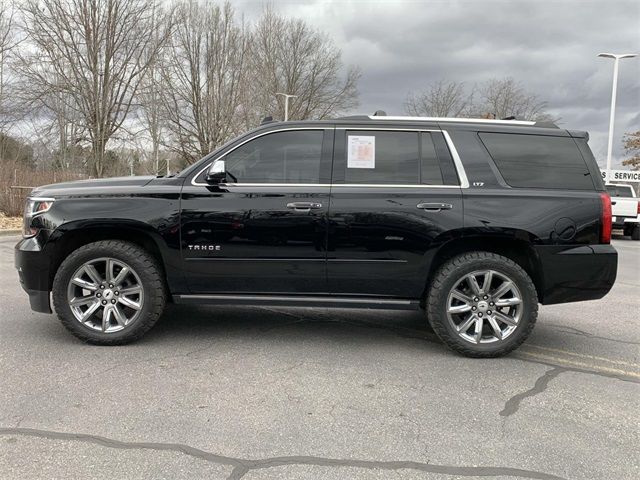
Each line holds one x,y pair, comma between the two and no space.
300,301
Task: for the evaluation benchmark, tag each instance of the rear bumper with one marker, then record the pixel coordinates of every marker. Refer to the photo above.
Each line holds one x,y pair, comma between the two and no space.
621,222
33,271
576,274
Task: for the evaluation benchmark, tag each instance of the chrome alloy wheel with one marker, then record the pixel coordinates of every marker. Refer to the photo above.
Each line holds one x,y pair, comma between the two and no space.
484,306
105,294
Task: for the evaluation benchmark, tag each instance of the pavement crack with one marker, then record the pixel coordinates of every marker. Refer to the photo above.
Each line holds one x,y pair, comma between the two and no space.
513,404
521,356
577,331
241,466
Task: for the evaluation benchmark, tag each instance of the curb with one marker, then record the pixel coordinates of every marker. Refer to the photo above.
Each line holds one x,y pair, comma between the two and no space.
9,233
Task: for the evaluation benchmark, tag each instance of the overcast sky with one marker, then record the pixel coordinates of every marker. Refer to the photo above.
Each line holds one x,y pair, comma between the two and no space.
550,46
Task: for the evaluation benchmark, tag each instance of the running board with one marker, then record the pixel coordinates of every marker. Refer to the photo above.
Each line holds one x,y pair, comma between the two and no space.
300,301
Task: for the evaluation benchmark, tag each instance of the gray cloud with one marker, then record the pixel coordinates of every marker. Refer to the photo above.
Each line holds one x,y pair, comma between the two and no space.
550,46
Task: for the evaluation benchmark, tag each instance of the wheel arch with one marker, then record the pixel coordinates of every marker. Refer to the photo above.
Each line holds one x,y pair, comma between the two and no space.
69,237
517,249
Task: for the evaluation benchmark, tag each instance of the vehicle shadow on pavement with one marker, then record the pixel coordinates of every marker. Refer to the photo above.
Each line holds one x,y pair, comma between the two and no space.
183,322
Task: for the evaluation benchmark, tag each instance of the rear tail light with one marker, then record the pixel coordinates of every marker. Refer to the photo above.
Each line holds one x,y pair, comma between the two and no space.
605,218
638,208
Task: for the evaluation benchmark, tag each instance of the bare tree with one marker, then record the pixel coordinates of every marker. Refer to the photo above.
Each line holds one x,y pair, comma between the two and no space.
496,98
441,99
289,56
150,111
506,97
95,52
632,148
8,41
203,78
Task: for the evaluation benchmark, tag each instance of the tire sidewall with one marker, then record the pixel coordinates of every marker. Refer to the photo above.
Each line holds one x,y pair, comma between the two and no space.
92,252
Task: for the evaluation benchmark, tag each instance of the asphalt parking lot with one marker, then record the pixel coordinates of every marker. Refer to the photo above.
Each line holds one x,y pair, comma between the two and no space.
266,393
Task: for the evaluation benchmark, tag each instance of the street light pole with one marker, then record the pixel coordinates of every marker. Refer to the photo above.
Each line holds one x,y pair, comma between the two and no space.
614,91
286,104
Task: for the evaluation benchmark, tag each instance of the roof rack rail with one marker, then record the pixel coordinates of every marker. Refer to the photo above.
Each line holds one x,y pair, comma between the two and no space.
504,121
545,124
354,117
453,119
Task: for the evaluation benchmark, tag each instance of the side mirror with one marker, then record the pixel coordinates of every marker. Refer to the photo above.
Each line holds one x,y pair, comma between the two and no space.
217,173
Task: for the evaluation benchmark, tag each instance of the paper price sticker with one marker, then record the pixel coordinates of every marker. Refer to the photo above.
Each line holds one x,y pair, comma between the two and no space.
361,151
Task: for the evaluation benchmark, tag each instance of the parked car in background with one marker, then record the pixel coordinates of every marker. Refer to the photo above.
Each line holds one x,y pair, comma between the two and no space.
474,222
625,208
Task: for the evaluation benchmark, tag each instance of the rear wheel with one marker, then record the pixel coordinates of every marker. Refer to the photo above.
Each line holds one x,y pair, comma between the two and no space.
635,233
109,292
482,304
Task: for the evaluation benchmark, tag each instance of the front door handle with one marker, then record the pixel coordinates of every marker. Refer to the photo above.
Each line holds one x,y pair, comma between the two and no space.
304,206
434,207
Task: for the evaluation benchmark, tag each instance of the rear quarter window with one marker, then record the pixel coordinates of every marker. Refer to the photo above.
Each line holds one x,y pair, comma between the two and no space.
538,161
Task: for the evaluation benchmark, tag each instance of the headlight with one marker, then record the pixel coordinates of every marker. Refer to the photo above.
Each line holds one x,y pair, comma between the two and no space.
34,207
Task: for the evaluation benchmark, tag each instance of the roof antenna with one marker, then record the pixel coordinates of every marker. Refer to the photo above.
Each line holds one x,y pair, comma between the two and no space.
266,120
379,113
511,117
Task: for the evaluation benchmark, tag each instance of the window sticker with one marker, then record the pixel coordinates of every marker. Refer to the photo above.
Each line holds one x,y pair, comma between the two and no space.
361,152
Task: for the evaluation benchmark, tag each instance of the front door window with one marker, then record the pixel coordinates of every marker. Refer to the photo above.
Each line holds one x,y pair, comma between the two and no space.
280,157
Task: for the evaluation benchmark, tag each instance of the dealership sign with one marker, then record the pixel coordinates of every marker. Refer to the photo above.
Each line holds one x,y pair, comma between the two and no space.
621,175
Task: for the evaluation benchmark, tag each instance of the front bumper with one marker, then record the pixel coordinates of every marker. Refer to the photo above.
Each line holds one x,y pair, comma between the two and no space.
575,274
33,265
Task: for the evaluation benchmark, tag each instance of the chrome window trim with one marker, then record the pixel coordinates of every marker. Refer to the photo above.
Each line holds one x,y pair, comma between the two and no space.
457,161
337,185
464,182
390,129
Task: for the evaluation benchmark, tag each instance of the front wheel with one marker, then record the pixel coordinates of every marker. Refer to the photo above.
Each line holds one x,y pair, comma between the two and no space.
109,292
482,304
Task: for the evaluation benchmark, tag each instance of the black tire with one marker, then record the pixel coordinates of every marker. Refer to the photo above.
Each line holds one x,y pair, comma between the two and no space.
444,281
147,270
635,233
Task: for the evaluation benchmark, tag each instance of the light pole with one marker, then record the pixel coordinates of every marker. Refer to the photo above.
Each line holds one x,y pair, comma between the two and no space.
286,104
616,60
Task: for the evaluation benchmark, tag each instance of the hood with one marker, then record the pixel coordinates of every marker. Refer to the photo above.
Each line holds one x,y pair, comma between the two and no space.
98,186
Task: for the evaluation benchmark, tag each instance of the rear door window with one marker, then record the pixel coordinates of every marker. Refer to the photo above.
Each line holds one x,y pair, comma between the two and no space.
397,158
430,172
538,161
378,157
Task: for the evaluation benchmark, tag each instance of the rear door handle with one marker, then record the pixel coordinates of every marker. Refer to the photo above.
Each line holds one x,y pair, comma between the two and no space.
434,207
304,206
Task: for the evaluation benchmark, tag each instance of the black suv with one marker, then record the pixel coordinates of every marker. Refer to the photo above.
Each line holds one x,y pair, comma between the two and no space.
473,221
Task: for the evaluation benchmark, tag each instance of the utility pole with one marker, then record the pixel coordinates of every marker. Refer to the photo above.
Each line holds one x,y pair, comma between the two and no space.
286,104
616,58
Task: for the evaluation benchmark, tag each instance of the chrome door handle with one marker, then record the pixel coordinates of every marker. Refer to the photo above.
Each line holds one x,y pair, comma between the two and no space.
304,206
434,207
